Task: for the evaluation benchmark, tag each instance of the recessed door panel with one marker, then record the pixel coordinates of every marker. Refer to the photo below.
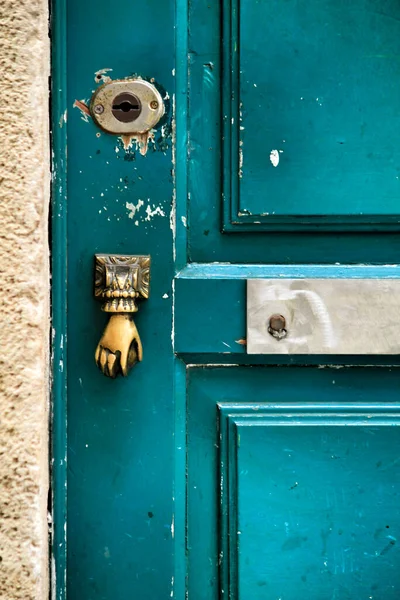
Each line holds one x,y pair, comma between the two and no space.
293,486
305,503
307,83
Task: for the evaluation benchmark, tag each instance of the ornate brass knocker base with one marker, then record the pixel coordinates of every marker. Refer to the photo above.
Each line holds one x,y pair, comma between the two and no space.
120,281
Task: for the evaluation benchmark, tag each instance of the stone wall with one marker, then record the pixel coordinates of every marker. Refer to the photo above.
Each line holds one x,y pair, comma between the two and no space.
24,304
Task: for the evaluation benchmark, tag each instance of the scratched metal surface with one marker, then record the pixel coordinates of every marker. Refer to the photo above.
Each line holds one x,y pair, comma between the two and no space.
325,316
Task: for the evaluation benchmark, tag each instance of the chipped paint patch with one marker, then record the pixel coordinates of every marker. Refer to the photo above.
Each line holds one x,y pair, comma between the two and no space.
134,208
63,118
241,158
140,139
172,214
184,221
101,76
274,158
152,213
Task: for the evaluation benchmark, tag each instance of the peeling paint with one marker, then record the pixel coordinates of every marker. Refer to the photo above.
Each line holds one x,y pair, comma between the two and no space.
184,221
152,213
241,128
241,158
173,316
172,214
140,139
101,76
134,208
274,158
63,118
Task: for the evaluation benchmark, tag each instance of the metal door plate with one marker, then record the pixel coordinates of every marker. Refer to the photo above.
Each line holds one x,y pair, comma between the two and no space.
323,316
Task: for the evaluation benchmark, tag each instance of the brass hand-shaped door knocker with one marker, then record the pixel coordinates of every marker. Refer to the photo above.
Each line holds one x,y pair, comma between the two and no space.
119,282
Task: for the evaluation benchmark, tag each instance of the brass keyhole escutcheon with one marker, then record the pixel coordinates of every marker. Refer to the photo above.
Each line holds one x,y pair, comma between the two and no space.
126,107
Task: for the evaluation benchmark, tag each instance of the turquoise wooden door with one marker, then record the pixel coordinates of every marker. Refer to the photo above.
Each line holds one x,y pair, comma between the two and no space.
211,472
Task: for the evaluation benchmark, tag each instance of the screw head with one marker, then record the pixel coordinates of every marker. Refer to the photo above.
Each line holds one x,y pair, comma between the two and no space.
98,109
154,104
277,326
277,322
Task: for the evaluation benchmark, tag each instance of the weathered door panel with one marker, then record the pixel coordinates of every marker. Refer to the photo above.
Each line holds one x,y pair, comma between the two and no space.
307,80
311,80
293,486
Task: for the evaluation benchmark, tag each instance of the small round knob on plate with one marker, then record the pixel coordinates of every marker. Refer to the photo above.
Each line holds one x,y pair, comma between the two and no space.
277,326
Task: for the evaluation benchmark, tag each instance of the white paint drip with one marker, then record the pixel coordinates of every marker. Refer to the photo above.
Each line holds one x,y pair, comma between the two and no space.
274,158
134,208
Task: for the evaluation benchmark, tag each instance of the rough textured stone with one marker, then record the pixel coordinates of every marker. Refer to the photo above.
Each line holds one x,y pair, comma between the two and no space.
24,290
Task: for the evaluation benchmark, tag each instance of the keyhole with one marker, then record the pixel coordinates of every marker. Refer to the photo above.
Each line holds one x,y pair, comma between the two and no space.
126,107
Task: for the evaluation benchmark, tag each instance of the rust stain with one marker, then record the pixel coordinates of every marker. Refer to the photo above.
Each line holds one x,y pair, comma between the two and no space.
82,107
242,342
141,140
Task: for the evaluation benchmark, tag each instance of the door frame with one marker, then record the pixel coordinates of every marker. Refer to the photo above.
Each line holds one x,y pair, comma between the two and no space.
58,425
